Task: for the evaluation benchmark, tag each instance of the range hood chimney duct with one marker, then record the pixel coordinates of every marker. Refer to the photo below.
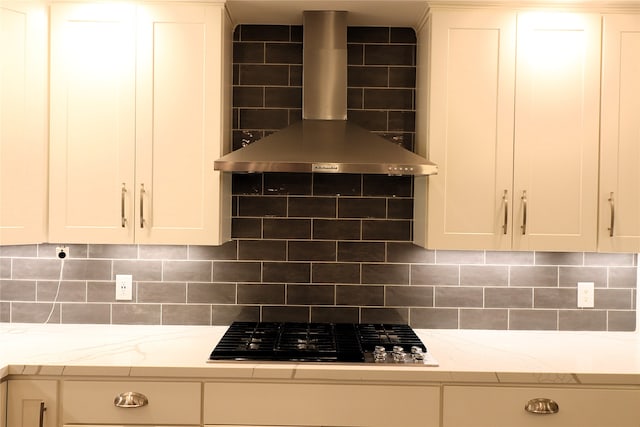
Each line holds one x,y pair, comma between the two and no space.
324,141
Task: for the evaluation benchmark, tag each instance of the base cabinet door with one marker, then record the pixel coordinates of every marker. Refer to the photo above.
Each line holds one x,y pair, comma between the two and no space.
467,406
3,404
326,405
32,403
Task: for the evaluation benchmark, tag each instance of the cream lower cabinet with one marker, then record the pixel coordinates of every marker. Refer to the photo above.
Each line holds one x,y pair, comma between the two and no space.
32,403
139,112
468,406
327,405
23,122
619,228
512,106
3,403
169,403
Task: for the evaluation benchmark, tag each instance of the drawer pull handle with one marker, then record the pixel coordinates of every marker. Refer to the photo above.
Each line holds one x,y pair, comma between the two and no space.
542,406
130,399
43,408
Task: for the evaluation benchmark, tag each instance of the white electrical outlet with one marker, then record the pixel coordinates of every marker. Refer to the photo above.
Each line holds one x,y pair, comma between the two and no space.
585,294
124,287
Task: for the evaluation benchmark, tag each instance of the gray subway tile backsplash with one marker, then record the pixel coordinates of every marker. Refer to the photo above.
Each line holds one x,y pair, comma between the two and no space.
320,247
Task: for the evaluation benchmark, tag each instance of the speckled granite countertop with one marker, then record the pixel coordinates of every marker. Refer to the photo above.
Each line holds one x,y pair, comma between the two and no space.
182,351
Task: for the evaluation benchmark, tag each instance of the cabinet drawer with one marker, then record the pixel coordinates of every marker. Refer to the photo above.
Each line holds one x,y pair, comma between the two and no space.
504,406
282,404
93,402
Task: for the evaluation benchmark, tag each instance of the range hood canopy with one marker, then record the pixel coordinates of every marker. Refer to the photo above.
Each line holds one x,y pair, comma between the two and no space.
324,141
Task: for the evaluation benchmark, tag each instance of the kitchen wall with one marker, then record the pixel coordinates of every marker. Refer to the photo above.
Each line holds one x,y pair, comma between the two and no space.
319,247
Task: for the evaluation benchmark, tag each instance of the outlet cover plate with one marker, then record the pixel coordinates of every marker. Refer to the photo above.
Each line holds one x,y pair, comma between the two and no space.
124,287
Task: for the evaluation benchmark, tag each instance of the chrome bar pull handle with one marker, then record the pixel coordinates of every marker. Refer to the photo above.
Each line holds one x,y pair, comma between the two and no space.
142,193
43,408
613,214
130,399
123,197
505,202
542,406
524,212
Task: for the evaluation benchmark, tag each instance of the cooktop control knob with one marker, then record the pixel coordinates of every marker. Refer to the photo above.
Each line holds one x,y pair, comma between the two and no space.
416,354
379,353
398,353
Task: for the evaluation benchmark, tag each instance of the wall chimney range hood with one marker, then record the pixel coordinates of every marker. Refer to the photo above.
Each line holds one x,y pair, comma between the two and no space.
324,141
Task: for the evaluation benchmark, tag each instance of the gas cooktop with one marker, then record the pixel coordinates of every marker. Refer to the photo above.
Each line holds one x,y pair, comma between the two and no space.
322,342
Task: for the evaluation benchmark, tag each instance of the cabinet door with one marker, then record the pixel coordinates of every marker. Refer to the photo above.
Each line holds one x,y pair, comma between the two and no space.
3,403
30,402
344,405
180,123
470,130
619,228
504,407
23,122
556,131
92,131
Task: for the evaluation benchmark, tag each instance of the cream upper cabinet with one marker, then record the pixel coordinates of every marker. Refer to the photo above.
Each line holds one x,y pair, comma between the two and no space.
555,188
619,228
23,122
139,113
466,94
512,105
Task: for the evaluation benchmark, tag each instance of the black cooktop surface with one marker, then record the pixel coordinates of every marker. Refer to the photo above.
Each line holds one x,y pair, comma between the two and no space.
323,342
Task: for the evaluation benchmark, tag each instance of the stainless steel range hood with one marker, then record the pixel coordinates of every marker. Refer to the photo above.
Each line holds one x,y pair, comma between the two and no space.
324,141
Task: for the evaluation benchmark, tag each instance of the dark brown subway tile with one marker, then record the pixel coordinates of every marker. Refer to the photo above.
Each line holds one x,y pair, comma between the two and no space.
211,293
402,121
5,268
435,275
559,298
402,35
286,228
387,274
257,250
248,53
614,299
38,269
622,277
262,206
621,321
409,296
273,118
163,252
335,273
158,292
384,315
402,77
484,275
226,314
312,207
335,314
287,183
276,75
400,208
148,271
261,294
528,319
246,228
87,269
228,271
226,251
183,314
389,55
329,184
251,96
65,291
358,76
283,53
582,320
459,257
388,99
110,251
408,252
355,54
247,183
279,313
508,297
250,32
458,297
311,295
484,319
361,251
136,314
360,295
368,34
434,318
5,312
369,119
570,276
283,97
85,313
536,276
103,291
610,260
386,230
28,251
386,186
344,229
31,312
17,290
559,258
509,258
187,271
311,251
362,208
284,272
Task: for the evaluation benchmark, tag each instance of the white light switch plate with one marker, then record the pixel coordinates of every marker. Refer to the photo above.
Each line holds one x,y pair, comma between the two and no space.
585,295
124,287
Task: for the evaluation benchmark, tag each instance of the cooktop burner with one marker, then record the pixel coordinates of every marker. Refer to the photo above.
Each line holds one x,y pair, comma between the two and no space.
321,342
